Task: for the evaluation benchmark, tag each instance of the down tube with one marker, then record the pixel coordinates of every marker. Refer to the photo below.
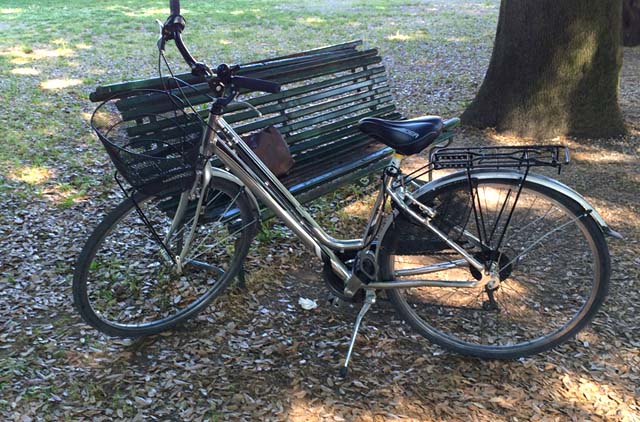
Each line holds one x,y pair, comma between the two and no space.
248,177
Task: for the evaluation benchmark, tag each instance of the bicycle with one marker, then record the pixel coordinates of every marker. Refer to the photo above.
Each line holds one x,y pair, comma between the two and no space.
518,262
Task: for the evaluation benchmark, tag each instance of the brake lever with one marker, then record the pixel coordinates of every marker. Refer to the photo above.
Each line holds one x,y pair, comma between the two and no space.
161,40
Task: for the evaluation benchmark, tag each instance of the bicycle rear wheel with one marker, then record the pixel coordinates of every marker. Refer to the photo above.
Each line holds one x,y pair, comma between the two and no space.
127,280
553,265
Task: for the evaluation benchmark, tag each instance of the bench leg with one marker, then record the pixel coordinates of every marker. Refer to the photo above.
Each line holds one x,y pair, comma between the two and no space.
241,278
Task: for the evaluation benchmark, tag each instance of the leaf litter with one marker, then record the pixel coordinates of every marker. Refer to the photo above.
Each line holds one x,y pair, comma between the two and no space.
253,355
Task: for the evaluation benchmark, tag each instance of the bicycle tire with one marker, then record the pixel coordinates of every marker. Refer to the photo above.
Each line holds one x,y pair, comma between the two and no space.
543,298
125,283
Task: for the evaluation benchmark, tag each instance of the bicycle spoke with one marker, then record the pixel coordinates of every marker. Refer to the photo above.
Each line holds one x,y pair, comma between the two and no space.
546,270
129,286
199,247
541,240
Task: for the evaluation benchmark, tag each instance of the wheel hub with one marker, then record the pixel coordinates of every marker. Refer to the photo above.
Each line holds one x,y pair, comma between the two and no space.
504,264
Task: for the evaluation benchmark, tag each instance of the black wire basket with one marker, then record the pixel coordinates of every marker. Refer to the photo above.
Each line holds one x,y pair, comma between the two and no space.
153,151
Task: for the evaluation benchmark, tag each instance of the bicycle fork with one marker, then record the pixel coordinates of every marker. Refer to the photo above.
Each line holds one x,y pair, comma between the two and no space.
181,210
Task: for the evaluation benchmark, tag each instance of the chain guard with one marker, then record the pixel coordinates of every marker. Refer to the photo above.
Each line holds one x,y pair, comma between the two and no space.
335,283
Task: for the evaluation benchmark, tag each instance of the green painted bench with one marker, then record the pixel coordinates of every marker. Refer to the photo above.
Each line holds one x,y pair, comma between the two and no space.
325,92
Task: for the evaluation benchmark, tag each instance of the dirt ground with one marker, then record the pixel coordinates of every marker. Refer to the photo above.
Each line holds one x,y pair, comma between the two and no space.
256,355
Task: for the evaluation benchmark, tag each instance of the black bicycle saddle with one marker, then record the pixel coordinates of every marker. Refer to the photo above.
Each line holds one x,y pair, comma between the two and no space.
407,137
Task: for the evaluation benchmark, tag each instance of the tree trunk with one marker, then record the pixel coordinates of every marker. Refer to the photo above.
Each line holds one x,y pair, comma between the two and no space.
631,23
554,70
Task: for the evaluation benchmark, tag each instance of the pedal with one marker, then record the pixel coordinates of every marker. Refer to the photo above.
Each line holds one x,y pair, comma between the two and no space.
335,301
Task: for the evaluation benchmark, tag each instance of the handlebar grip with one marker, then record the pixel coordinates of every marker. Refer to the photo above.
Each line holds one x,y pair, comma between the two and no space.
174,6
253,84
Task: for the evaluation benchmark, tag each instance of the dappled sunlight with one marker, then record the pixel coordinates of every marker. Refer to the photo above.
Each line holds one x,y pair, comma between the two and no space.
55,84
64,195
83,46
458,39
312,20
5,11
25,71
300,410
603,156
399,37
615,215
304,408
413,163
86,116
22,56
411,36
158,11
578,149
416,162
32,175
598,397
101,119
360,209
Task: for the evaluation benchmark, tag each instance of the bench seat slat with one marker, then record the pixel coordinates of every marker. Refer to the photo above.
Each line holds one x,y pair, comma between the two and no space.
312,121
196,92
315,66
327,138
300,182
349,45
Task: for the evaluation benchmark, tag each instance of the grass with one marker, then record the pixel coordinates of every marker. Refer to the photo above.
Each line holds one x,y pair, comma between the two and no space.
58,51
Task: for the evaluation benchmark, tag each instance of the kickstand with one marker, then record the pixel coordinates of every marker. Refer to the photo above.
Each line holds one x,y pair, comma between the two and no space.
369,300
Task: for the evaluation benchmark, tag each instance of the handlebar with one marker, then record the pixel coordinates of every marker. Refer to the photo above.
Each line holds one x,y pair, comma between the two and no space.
184,51
254,84
225,75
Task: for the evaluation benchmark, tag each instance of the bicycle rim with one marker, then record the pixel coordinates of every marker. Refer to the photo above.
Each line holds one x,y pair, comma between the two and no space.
128,283
554,270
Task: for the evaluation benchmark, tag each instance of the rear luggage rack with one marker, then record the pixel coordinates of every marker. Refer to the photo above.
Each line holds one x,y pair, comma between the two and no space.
500,157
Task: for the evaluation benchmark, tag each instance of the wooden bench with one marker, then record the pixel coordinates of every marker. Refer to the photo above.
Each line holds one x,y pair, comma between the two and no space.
325,92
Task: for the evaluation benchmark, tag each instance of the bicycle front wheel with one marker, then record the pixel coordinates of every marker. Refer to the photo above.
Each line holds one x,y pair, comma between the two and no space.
552,261
128,280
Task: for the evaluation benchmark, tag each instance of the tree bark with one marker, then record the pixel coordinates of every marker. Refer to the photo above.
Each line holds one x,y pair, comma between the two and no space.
631,23
554,70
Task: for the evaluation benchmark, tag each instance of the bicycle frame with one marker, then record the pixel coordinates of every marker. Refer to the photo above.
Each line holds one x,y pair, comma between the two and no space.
219,138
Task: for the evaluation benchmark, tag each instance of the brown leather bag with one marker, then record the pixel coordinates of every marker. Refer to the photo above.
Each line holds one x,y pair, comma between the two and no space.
269,145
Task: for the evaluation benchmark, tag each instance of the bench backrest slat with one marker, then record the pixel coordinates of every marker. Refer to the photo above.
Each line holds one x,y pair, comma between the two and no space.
317,94
325,92
159,103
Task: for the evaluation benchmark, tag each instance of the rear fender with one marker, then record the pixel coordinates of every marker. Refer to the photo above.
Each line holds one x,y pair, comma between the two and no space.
544,181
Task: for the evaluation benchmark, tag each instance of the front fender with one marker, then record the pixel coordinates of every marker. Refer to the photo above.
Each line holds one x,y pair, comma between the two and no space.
544,181
223,174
